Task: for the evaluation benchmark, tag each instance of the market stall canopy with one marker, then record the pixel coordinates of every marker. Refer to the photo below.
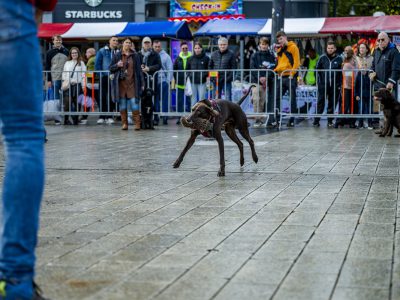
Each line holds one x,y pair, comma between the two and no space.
176,29
179,30
297,26
48,30
360,24
231,27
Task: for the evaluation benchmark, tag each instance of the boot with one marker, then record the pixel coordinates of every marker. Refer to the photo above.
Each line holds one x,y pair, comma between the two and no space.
136,119
124,119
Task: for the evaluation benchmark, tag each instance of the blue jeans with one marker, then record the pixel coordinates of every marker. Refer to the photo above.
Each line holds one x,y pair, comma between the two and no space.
199,92
56,88
132,103
21,115
183,101
161,97
224,90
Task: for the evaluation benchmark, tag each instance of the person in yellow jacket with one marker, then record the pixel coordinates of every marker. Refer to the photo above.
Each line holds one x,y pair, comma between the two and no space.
287,68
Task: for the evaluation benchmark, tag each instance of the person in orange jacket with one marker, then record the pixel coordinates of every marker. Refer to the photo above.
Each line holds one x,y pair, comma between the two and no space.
287,69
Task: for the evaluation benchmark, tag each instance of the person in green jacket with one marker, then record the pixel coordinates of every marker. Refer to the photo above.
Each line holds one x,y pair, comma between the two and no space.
310,63
180,78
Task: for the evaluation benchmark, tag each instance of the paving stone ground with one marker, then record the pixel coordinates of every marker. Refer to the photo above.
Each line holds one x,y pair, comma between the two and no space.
316,218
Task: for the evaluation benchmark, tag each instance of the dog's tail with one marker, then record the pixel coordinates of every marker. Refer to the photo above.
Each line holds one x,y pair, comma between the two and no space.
245,96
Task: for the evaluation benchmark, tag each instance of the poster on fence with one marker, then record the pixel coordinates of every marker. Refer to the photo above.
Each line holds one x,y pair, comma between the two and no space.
198,8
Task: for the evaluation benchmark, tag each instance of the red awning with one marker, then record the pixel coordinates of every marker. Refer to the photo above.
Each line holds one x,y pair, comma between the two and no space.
47,30
360,24
206,18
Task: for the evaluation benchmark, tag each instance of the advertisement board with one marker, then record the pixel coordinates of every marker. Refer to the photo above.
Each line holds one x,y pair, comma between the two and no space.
197,8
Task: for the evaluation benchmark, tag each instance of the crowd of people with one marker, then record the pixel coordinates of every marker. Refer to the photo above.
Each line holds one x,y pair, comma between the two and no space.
344,81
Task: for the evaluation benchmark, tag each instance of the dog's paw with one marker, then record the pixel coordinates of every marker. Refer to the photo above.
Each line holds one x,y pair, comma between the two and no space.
255,158
176,164
378,132
242,162
221,173
397,135
381,135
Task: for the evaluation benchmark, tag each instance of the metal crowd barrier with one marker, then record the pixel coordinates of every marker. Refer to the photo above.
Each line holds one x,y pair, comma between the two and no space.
278,96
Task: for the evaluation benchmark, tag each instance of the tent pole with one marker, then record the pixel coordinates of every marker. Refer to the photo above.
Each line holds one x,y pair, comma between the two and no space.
241,57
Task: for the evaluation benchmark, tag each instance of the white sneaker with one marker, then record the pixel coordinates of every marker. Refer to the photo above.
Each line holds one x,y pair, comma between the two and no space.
263,125
130,122
110,121
83,122
257,124
100,121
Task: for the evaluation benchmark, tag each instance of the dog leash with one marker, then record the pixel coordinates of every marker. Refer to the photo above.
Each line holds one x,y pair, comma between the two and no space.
381,82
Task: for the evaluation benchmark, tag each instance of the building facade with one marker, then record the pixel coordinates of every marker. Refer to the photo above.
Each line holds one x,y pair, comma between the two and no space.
151,10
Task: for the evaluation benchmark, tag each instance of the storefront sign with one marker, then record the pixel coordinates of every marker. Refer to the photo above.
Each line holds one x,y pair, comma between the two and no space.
93,11
196,8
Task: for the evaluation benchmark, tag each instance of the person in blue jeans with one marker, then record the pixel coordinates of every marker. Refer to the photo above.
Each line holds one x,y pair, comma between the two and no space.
21,115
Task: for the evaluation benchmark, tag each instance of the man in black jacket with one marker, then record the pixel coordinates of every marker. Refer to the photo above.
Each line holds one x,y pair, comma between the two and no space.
386,64
262,60
151,62
55,60
221,60
329,81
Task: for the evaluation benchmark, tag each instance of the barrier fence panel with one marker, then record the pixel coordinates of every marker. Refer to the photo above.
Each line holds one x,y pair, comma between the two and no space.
340,94
177,91
272,98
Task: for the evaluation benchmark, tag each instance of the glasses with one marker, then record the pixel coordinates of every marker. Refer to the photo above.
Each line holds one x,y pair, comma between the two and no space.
74,52
380,40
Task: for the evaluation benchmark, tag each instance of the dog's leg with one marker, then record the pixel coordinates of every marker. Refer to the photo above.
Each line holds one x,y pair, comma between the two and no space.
189,144
385,128
220,140
244,131
390,130
230,131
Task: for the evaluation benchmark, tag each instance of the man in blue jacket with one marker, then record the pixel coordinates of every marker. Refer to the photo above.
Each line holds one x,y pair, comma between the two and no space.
103,62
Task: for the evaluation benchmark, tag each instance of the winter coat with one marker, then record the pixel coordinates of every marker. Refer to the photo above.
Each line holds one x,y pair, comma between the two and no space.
166,65
181,64
74,73
330,63
257,61
103,59
223,61
115,71
55,60
386,64
288,59
198,62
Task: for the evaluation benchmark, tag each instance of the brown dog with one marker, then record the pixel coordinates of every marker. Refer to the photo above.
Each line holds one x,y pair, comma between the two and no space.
208,118
391,112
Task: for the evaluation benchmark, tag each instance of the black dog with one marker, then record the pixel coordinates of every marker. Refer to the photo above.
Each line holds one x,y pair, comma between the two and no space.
147,109
391,112
208,118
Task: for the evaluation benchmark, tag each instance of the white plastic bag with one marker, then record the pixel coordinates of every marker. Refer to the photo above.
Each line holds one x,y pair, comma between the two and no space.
188,88
49,108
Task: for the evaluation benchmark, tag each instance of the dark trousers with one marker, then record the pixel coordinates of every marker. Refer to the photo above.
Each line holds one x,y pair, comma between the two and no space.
183,101
106,104
347,105
287,85
161,99
332,94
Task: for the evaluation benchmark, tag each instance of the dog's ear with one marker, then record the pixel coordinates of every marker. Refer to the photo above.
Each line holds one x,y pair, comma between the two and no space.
212,111
206,102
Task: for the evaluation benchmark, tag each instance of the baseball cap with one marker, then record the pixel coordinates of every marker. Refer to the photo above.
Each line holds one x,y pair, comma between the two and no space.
146,40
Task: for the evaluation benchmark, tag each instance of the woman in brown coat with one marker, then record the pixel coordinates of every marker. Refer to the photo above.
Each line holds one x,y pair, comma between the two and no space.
127,83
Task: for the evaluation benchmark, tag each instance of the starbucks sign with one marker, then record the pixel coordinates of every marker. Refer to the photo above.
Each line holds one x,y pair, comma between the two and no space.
94,11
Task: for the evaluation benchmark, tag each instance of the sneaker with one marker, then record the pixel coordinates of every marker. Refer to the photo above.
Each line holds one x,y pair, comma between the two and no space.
330,124
110,121
130,122
257,124
263,125
290,124
56,122
315,124
83,122
370,127
100,121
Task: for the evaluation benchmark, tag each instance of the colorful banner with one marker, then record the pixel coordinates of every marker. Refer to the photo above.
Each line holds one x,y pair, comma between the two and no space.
196,8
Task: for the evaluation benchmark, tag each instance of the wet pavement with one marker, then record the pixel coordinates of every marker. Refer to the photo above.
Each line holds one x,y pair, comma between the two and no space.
316,218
